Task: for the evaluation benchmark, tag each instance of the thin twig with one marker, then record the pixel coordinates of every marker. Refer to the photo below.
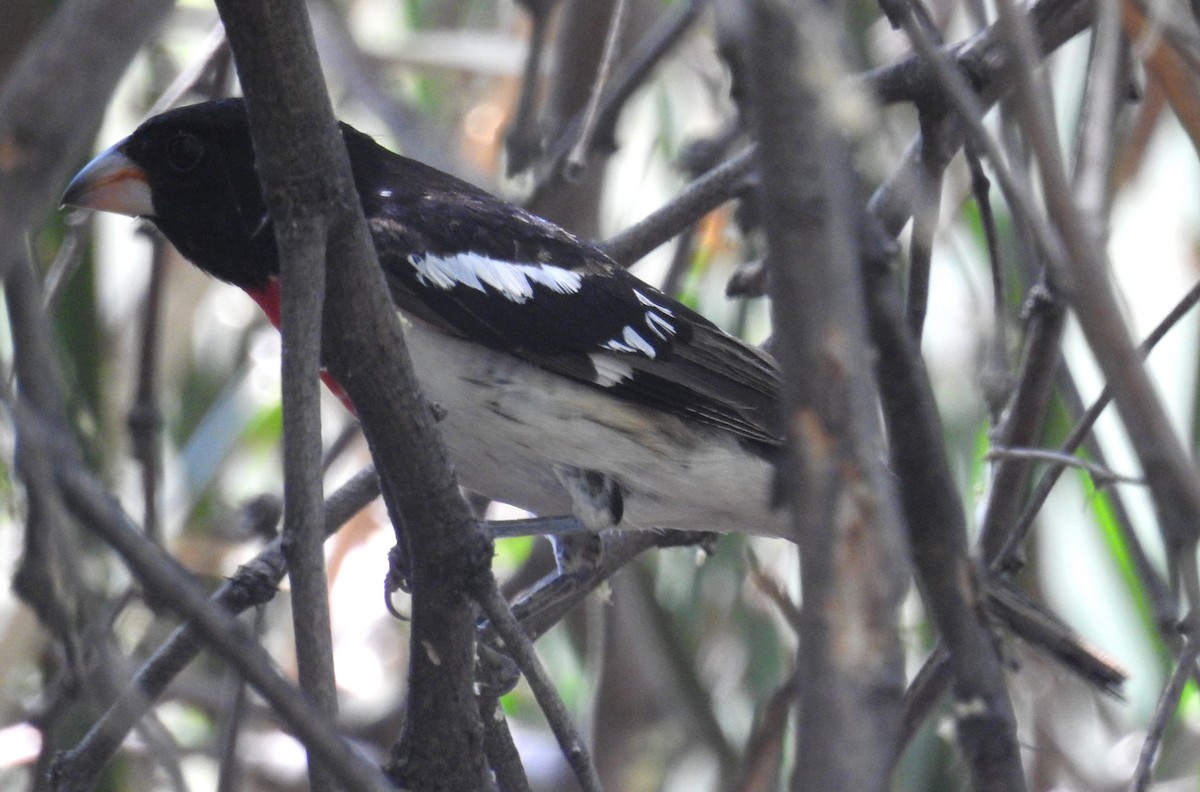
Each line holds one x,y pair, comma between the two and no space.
519,647
1084,277
275,54
253,584
232,715
523,140
714,188
1100,473
502,755
577,160
169,584
996,381
924,225
647,52
69,257
1024,419
1164,712
1095,147
1041,491
211,53
145,418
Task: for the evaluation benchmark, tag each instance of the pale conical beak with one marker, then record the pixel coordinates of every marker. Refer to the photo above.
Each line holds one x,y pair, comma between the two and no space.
111,183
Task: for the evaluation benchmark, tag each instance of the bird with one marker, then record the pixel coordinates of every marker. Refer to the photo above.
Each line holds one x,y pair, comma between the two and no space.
564,385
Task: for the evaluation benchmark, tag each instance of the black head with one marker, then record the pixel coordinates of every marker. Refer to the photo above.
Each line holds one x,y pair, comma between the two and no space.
190,171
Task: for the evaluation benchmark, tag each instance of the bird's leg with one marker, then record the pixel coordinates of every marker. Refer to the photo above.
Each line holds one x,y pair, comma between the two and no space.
598,504
535,526
552,598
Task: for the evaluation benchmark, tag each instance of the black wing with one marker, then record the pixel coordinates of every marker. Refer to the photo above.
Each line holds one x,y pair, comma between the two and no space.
485,269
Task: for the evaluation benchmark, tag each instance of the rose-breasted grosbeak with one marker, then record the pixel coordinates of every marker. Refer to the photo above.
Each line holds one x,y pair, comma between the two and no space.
569,387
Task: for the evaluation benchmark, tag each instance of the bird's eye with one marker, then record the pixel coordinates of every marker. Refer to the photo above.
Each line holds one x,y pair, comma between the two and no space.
184,152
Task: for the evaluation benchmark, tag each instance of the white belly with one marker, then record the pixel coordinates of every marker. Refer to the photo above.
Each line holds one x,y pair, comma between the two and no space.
508,423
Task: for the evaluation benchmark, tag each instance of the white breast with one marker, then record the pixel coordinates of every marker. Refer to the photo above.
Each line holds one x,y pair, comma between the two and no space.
508,423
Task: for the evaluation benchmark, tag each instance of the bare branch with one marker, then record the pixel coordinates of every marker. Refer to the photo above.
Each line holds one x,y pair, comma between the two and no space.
255,583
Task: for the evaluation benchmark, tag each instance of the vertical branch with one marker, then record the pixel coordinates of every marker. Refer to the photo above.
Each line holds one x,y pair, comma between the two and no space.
925,223
986,727
844,515
267,40
523,140
145,420
1081,273
577,160
363,348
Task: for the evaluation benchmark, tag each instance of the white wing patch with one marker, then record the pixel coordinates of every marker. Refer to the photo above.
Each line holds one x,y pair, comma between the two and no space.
659,326
630,341
514,281
646,301
658,322
610,370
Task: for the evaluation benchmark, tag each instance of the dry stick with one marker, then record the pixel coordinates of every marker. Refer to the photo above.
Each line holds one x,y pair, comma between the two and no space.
145,419
502,754
1102,475
924,225
986,726
996,381
1084,278
927,211
844,514
522,141
903,82
1164,605
364,350
1016,539
230,721
303,208
577,160
253,584
1168,703
648,51
208,59
764,746
694,201
1039,627
169,584
1095,148
67,260
932,679
1024,420
520,648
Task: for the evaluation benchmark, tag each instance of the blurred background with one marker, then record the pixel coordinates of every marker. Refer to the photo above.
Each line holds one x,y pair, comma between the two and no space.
674,671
